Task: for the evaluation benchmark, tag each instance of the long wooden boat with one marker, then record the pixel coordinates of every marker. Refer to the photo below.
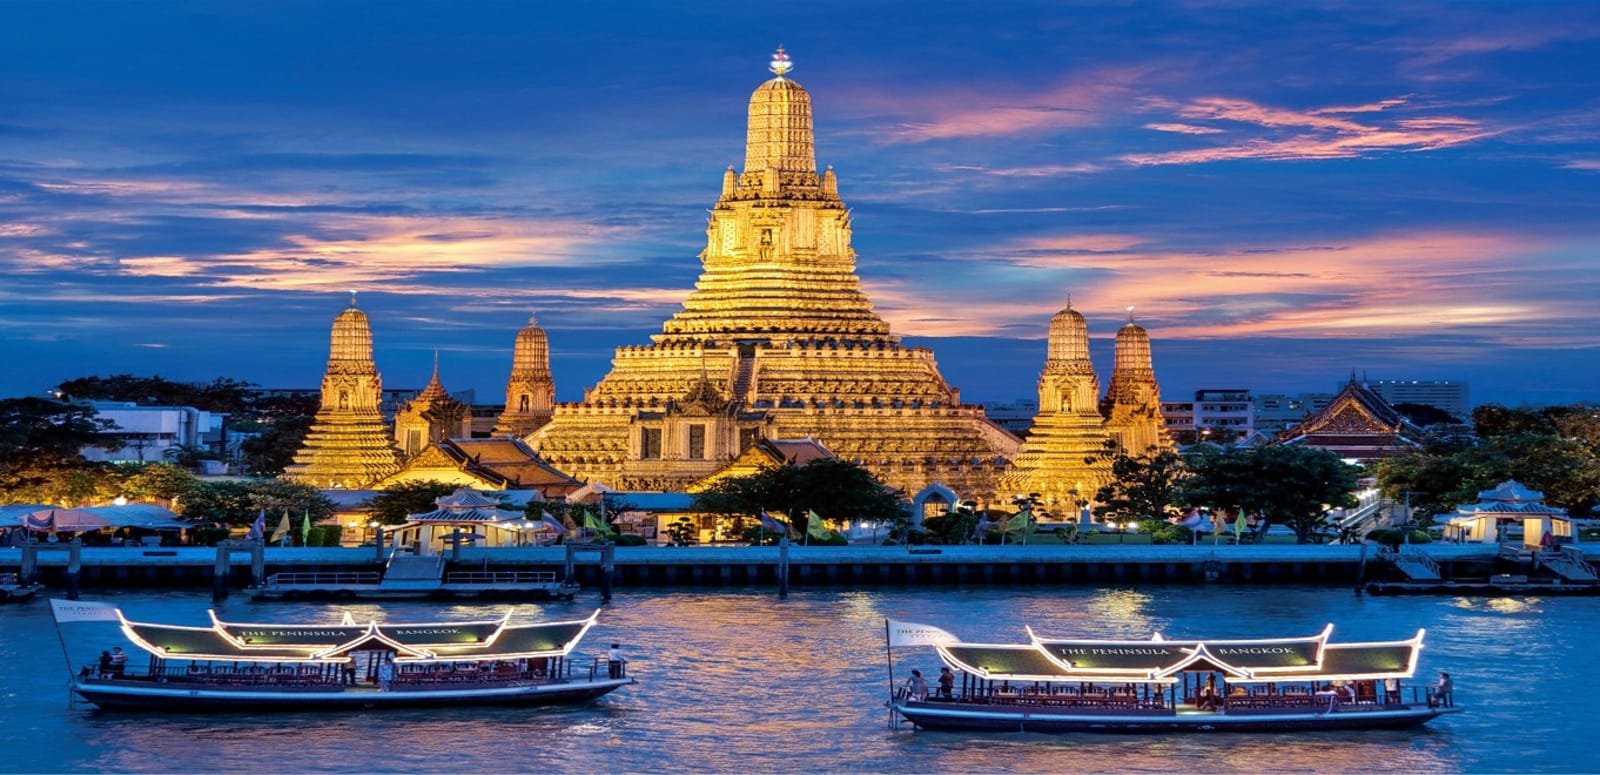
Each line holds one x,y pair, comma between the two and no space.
1165,685
343,665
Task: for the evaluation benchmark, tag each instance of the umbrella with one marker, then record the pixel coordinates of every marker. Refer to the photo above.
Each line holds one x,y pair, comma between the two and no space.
64,521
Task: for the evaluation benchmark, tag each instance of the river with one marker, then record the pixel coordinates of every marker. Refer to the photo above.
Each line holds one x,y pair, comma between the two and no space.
740,680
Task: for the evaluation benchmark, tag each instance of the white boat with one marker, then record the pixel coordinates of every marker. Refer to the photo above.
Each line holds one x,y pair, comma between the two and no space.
338,665
1169,685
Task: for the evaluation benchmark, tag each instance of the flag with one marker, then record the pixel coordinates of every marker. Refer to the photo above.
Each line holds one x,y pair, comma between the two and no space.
548,520
1192,520
258,529
305,528
1018,523
75,611
913,634
1238,528
282,529
815,528
594,523
772,525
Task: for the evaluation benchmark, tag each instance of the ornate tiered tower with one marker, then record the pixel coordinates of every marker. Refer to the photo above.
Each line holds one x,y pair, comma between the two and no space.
348,445
1132,406
1068,431
776,340
430,417
530,392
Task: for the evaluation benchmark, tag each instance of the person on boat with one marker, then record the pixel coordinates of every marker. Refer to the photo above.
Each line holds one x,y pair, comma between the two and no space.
614,661
1208,699
348,669
386,673
917,687
119,661
1442,692
105,664
1391,691
947,683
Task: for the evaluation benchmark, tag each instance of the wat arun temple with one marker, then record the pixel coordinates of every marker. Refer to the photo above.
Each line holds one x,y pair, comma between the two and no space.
778,341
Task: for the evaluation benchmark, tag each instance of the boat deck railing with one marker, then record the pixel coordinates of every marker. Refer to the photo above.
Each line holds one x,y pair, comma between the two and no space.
330,677
1139,700
500,577
322,578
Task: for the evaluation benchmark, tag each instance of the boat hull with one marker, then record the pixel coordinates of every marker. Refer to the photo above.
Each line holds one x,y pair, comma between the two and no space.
946,716
139,695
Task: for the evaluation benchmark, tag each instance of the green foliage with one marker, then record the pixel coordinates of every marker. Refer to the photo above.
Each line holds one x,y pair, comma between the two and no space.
272,450
1164,532
238,502
1143,487
391,506
1555,450
210,536
161,483
682,532
836,490
956,527
1393,536
629,539
1287,485
219,395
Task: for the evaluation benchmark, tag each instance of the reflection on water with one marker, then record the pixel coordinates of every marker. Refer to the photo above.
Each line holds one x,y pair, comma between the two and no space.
744,681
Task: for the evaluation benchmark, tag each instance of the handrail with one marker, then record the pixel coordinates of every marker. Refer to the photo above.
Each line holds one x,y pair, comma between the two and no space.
322,577
500,577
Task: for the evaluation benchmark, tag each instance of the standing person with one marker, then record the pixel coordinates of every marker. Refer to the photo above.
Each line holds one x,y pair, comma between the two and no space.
1444,689
614,661
105,664
1391,691
349,671
947,683
386,673
119,661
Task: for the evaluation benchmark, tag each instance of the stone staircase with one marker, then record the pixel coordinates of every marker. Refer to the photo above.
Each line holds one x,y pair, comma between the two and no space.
1569,565
407,571
743,376
1414,564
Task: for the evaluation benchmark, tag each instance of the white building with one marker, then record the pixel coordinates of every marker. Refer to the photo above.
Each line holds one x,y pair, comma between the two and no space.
148,432
1444,395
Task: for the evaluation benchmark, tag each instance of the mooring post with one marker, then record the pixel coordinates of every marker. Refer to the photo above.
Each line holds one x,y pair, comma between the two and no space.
608,567
30,561
783,566
1361,569
219,573
455,545
571,560
379,544
74,566
258,563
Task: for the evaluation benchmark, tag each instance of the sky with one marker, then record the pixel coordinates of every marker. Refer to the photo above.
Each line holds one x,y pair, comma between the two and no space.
1285,193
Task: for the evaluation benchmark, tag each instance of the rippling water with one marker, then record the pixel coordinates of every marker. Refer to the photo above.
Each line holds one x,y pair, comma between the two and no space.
739,680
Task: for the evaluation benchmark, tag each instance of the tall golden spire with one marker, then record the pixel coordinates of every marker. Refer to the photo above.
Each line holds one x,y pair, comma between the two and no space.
777,340
779,135
1068,431
1132,406
348,445
530,390
432,416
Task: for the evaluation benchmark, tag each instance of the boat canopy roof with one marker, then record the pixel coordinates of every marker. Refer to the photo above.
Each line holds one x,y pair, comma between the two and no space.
1160,660
439,641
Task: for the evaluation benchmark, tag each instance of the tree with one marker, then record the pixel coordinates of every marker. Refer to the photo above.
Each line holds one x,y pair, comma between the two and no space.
160,483
391,506
1146,487
225,502
1289,485
40,452
273,447
836,490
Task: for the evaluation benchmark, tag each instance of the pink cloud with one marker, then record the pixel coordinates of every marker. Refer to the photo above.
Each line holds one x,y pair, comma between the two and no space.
1082,100
1184,129
1589,165
1312,134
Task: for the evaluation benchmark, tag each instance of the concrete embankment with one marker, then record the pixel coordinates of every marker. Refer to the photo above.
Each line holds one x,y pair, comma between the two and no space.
744,565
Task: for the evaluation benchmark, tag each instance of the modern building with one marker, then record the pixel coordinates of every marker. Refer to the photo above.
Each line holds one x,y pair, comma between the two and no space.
1218,416
1014,416
152,434
1444,395
1276,411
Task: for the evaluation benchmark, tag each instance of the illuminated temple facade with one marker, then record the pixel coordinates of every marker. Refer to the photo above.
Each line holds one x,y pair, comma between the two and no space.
349,445
777,340
1061,460
530,391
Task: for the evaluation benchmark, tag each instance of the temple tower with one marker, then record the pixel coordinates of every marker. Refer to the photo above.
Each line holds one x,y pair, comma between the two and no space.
777,340
1059,459
531,391
432,416
348,445
1132,406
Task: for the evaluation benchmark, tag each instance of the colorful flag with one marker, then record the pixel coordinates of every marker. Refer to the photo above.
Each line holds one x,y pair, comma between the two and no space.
772,525
1238,528
305,528
282,529
815,528
548,520
258,529
593,522
913,634
1018,523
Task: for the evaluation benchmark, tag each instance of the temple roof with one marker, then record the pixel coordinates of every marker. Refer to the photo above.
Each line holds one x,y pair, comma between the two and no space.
1357,421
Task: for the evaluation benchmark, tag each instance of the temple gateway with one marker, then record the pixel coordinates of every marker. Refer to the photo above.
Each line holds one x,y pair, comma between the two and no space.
777,340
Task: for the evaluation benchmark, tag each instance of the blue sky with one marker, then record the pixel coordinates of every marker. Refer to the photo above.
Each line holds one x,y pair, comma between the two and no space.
1283,191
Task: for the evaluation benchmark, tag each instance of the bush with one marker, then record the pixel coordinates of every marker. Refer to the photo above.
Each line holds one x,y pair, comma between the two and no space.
629,539
209,536
1394,536
1164,532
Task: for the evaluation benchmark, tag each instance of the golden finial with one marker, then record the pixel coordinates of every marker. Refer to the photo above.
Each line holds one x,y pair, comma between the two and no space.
352,298
1130,313
780,63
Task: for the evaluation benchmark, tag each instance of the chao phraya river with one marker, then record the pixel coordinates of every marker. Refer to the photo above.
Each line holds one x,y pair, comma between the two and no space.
740,680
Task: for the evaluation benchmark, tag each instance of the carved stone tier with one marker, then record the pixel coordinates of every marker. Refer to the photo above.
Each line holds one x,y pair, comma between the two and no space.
1132,406
530,391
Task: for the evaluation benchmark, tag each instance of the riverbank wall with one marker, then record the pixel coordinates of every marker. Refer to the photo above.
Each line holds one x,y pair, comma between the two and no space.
1334,565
